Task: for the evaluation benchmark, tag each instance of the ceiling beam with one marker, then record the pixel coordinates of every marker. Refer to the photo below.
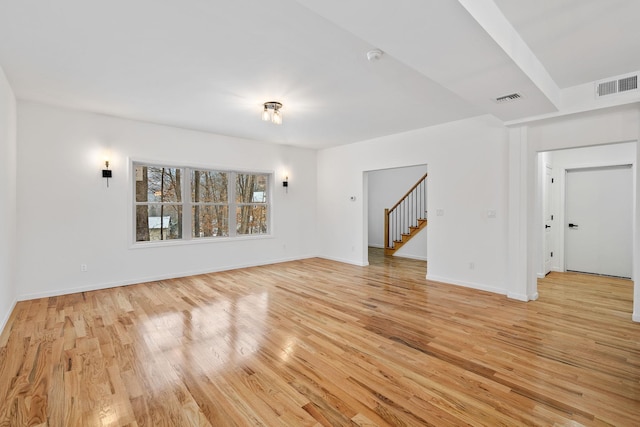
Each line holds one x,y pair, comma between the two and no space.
492,20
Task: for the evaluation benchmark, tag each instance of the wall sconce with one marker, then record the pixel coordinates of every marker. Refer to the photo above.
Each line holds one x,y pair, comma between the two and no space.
285,184
106,173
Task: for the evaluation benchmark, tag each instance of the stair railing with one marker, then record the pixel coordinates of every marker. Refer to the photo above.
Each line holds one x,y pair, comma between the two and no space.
405,213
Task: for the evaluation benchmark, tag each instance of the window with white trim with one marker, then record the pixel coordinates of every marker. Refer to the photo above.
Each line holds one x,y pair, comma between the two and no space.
183,203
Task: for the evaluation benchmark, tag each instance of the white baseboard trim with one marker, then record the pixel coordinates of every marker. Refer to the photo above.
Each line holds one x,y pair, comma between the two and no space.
4,321
416,257
518,297
522,297
472,285
147,279
635,317
399,255
557,270
344,260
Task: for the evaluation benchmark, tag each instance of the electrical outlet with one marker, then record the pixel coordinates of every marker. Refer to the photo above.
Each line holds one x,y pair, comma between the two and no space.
472,266
83,267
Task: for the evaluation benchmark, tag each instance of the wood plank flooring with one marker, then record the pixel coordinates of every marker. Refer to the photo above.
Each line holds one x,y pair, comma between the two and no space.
319,343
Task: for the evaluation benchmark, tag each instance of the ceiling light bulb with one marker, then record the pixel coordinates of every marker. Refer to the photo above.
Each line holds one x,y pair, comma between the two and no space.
277,117
265,114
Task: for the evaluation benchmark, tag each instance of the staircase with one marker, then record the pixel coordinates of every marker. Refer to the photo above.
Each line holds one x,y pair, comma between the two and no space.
406,218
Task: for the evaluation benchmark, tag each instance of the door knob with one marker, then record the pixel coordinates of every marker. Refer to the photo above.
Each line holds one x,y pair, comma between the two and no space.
547,226
573,225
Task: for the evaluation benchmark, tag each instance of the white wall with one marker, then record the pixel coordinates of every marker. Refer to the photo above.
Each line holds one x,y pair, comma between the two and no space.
7,199
385,188
468,173
67,216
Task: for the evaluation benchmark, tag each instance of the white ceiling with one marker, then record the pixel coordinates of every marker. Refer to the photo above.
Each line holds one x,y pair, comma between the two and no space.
579,41
209,65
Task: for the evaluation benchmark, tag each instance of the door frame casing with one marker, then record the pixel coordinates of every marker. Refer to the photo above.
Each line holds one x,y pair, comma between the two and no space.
547,202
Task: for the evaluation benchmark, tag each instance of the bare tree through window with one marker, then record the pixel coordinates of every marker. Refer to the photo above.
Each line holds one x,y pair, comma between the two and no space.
251,197
158,203
210,198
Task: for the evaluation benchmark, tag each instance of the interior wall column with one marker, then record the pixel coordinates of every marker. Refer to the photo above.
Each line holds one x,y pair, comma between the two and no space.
635,268
517,234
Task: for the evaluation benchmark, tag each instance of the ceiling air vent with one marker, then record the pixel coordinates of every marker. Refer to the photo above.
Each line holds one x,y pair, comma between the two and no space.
617,85
628,83
508,98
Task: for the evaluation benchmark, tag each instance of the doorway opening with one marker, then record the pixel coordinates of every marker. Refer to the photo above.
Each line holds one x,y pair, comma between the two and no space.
593,184
383,188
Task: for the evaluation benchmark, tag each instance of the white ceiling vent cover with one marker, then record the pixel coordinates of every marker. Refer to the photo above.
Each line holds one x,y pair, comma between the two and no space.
508,98
617,85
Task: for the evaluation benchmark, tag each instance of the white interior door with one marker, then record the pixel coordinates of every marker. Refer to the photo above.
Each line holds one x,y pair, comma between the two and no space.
548,220
598,236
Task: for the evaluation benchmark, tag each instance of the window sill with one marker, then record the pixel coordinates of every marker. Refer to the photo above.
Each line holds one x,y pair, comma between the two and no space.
198,241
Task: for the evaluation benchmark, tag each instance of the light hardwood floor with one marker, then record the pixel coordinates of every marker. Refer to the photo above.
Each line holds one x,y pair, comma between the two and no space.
319,343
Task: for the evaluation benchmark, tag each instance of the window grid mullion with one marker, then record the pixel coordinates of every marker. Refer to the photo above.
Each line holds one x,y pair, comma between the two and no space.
187,216
231,191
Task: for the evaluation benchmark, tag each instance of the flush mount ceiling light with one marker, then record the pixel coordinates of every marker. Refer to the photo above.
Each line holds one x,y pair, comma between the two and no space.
272,113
